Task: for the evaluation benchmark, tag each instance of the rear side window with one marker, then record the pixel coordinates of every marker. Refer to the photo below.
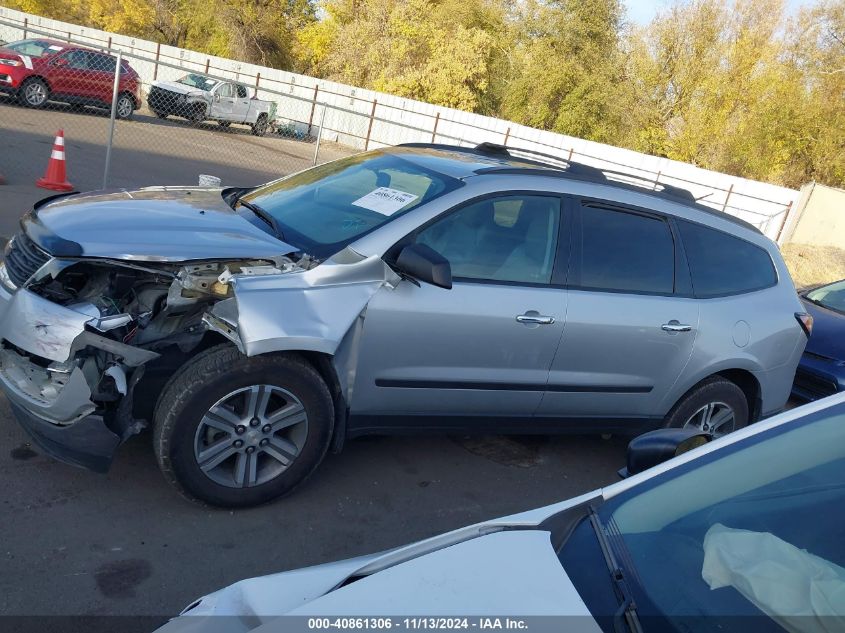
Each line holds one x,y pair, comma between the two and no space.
626,252
721,264
242,93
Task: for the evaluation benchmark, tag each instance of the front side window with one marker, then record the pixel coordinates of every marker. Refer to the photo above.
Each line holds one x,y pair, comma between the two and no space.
77,60
744,531
831,296
721,264
512,238
226,90
323,209
625,252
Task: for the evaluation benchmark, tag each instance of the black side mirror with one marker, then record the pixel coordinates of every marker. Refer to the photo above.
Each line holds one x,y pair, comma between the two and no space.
656,447
423,263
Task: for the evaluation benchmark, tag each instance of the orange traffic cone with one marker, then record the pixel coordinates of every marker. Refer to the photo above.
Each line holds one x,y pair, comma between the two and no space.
55,177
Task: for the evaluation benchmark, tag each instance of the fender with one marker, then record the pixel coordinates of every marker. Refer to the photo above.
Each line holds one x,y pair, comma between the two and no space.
313,310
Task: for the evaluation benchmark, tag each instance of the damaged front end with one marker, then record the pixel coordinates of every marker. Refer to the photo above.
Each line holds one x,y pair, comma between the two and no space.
77,336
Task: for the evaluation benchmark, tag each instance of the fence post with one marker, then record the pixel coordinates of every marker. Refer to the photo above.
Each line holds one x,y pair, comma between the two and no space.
115,85
25,25
656,180
207,64
313,106
155,67
569,158
370,126
257,79
320,133
783,224
507,136
730,191
434,131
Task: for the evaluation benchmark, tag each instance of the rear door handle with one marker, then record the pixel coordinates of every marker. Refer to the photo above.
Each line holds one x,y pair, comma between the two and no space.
675,326
535,318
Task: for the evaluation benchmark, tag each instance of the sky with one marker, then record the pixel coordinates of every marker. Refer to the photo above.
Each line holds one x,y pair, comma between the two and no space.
641,11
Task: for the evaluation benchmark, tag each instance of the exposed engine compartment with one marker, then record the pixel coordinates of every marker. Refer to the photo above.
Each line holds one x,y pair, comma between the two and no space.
138,313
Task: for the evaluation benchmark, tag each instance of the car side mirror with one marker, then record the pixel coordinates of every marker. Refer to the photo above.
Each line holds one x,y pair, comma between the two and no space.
217,96
61,61
423,263
656,447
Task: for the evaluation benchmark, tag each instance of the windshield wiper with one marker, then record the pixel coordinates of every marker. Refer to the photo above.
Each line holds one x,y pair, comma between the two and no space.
627,611
261,213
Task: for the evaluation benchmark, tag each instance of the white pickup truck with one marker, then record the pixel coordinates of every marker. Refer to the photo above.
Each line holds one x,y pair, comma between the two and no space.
199,98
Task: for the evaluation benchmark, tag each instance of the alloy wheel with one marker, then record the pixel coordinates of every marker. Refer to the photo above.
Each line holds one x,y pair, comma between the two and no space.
124,107
250,436
715,418
35,93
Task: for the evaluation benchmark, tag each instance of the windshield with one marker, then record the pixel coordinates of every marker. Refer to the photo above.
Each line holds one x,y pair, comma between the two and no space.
755,529
33,48
831,296
198,81
321,210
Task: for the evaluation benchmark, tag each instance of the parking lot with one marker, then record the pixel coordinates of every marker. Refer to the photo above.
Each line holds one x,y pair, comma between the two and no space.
124,543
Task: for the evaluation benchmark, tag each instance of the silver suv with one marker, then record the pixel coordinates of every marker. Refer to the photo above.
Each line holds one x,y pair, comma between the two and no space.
415,289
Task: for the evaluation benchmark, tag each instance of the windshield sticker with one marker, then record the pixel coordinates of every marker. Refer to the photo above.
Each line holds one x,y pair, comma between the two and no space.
385,200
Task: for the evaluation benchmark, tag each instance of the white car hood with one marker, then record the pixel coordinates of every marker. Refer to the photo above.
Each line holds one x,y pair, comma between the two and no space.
509,572
175,86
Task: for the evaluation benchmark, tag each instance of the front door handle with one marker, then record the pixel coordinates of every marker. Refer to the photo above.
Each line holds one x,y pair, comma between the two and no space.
675,326
535,318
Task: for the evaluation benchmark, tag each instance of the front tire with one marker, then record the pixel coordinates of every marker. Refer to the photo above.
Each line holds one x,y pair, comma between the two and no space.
235,431
34,93
716,406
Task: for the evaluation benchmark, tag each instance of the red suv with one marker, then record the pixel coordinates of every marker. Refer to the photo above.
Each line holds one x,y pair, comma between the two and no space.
40,70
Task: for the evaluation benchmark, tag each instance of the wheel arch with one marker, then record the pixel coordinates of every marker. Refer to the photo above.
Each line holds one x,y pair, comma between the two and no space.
742,376
37,76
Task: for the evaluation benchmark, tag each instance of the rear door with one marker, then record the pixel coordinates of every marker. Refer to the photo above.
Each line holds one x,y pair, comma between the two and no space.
631,324
101,70
479,352
241,104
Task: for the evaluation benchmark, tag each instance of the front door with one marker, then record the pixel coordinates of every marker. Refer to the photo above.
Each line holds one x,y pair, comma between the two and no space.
631,324
224,102
482,349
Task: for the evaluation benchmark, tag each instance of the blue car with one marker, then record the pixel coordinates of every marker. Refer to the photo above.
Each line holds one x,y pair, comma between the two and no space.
821,371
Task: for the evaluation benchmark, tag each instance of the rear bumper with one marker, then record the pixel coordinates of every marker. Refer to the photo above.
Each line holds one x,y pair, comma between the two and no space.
818,377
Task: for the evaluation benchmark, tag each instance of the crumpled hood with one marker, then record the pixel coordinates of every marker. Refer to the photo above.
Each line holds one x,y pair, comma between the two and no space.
175,86
166,224
504,573
499,567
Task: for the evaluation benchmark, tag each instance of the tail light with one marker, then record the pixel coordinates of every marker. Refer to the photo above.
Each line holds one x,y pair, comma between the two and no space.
806,321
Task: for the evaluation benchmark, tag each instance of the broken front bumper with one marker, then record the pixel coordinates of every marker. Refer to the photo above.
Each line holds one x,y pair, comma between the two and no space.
52,398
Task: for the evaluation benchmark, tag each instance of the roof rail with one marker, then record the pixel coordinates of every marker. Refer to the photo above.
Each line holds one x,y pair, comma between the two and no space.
586,171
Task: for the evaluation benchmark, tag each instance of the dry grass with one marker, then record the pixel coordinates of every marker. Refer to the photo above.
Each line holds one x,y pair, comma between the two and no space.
809,264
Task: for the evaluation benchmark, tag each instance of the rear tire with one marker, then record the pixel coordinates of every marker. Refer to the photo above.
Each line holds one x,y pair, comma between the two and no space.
34,93
125,107
213,401
716,405
259,128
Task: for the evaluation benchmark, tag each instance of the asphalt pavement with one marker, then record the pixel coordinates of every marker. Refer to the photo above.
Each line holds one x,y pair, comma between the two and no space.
125,544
